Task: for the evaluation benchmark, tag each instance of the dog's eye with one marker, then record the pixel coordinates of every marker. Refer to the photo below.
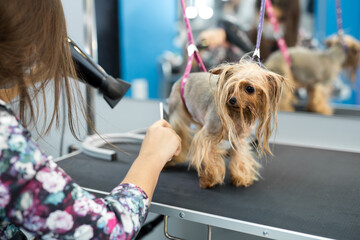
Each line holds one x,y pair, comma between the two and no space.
232,101
249,89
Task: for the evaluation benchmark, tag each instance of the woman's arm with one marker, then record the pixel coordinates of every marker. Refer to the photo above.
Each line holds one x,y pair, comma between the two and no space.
40,197
161,143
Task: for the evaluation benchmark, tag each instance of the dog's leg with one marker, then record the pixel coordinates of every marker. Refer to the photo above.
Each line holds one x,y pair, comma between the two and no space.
180,121
207,158
318,99
243,167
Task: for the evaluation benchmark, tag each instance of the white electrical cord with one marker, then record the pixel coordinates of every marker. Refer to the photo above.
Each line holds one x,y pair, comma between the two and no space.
91,145
62,133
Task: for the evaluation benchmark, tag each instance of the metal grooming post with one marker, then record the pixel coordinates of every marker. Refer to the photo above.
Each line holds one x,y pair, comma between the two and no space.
90,39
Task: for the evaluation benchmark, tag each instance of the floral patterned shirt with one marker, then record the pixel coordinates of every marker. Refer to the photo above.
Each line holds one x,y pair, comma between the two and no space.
38,196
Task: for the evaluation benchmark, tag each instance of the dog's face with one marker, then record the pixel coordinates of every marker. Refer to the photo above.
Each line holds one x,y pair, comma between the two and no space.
353,52
246,93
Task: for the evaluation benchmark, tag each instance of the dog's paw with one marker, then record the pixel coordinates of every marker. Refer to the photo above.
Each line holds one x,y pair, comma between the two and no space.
210,181
286,108
205,183
326,111
242,182
243,177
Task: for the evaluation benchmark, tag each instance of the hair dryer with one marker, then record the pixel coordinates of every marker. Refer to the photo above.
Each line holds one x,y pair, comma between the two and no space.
91,73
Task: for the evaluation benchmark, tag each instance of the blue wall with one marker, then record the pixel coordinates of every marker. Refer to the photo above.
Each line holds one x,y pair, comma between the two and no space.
147,29
325,25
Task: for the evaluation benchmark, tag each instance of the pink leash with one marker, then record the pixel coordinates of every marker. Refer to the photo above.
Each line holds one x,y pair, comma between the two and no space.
280,39
340,24
192,52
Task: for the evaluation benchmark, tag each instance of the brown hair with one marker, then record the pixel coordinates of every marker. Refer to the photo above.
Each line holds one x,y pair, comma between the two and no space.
34,52
291,19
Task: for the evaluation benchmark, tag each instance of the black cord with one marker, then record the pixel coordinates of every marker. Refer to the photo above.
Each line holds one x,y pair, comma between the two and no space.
149,227
236,36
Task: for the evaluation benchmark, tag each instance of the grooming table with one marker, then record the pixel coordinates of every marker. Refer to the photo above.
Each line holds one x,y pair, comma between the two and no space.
304,193
339,110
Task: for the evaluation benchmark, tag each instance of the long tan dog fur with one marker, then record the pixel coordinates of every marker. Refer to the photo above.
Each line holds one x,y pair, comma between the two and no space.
315,70
225,104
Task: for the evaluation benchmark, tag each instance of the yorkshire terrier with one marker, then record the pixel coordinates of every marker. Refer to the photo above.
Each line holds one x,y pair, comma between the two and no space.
316,71
225,104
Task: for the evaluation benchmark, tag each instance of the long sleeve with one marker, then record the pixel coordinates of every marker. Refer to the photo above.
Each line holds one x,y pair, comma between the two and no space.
37,195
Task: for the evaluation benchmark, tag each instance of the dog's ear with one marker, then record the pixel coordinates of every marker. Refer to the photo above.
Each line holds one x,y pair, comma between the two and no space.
268,115
354,49
224,72
216,70
331,41
352,61
353,56
275,77
275,82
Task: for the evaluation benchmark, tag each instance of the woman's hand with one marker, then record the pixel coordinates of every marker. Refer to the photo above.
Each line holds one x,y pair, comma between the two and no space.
161,143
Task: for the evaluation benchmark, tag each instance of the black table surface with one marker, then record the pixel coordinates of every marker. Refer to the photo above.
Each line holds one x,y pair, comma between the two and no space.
306,190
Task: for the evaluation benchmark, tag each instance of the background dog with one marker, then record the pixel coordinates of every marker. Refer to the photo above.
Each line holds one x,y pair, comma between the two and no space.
316,70
225,105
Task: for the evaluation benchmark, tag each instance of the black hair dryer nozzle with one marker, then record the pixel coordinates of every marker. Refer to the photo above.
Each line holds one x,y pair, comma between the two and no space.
91,73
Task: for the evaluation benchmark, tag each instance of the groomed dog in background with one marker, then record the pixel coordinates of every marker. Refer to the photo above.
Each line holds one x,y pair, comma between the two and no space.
225,105
316,70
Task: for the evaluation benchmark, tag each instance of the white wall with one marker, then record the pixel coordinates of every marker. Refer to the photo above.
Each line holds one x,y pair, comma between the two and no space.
74,19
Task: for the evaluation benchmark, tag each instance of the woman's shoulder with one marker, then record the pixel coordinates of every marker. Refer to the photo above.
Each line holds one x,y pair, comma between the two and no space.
20,157
9,123
5,110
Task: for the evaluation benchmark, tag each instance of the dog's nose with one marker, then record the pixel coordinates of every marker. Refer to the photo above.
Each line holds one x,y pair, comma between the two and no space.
233,101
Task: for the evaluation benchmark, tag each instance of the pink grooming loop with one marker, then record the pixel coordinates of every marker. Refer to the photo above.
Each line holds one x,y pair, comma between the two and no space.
340,24
280,39
192,51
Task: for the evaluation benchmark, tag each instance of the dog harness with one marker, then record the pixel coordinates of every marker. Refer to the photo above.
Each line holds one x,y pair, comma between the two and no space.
192,52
